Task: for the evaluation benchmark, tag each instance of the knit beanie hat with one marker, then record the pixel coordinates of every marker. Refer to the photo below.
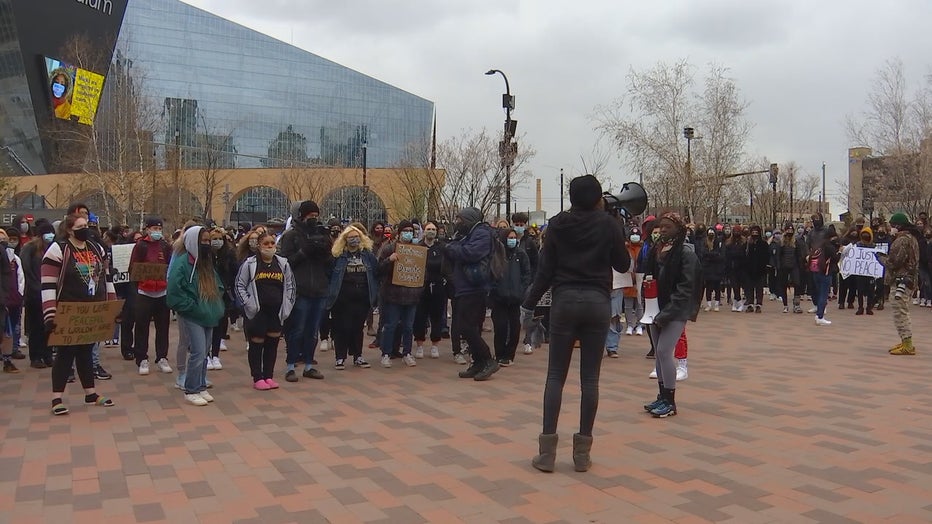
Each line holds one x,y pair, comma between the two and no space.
899,219
585,192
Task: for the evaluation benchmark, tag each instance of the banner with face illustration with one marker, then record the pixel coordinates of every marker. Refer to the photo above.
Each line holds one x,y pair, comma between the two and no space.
74,92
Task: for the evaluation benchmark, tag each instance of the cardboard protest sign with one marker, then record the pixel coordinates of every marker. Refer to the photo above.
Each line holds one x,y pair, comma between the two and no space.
140,271
78,323
860,261
409,268
121,256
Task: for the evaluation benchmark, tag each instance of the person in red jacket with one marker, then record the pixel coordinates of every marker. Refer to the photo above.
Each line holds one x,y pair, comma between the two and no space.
150,302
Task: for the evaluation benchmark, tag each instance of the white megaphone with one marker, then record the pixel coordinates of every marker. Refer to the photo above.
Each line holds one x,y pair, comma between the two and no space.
651,306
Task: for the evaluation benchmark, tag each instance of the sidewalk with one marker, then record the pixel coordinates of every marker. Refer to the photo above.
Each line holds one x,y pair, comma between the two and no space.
780,421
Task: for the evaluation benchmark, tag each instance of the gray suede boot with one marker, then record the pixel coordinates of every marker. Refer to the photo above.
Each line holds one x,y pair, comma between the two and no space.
548,452
582,444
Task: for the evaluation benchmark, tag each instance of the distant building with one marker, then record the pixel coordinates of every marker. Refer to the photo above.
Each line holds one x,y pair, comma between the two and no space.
883,185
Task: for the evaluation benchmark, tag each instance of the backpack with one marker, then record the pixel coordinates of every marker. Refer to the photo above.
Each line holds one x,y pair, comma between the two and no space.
490,269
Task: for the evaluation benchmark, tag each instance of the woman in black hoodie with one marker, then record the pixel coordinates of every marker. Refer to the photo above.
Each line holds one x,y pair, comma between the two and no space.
756,262
506,298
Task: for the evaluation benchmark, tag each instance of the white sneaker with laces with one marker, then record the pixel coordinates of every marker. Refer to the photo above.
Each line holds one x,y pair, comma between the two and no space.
144,367
386,361
324,345
217,364
822,322
210,364
682,373
915,301
629,331
409,360
813,310
434,352
460,359
223,345
786,309
419,352
639,331
652,374
528,350
163,365
194,398
716,306
206,396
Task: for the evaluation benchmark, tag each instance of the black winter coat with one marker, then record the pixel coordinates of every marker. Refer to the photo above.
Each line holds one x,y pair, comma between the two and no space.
308,252
517,278
712,260
758,258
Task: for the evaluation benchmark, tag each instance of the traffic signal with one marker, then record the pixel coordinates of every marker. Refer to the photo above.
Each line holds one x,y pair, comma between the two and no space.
774,170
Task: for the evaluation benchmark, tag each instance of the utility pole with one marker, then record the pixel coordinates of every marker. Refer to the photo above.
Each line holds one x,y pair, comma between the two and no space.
823,197
561,189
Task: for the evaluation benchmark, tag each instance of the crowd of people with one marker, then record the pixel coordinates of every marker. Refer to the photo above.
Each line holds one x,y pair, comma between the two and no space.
580,281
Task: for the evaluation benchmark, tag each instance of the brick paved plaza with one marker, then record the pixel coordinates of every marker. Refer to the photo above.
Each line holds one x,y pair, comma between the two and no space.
775,425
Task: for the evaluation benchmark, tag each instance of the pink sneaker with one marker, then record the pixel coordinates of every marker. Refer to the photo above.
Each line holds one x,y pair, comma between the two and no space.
262,385
272,384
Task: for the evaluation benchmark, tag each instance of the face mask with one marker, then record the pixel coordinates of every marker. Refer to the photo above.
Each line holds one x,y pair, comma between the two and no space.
407,236
14,243
311,221
430,234
865,238
24,227
635,239
727,232
512,243
48,237
58,89
216,243
268,252
799,231
378,232
519,230
155,235
253,243
203,249
353,242
655,236
817,223
82,234
768,234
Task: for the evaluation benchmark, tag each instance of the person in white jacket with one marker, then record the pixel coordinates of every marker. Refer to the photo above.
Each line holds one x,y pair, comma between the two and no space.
265,287
14,317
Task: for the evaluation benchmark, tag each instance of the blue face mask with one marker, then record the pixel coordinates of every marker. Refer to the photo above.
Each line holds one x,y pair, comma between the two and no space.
58,89
407,236
48,237
512,243
635,239
155,235
520,230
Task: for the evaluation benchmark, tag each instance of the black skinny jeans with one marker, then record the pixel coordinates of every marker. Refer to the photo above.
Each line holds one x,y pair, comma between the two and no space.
865,289
506,322
82,358
713,286
128,293
38,338
754,290
576,314
468,316
430,310
217,335
147,309
348,318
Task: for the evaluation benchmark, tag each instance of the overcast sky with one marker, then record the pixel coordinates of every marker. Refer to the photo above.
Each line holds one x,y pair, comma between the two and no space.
802,65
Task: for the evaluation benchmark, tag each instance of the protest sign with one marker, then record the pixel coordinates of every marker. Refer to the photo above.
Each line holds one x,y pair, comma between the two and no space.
409,268
121,256
860,261
78,323
140,271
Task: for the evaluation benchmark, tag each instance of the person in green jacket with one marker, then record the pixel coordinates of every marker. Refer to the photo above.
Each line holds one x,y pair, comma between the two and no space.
195,293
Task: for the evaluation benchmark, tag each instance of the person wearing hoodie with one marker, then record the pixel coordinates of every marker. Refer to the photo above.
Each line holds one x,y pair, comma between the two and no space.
265,286
902,275
580,250
16,287
823,263
735,260
790,263
711,255
307,248
756,263
472,244
150,303
863,284
398,303
40,355
195,293
225,264
506,298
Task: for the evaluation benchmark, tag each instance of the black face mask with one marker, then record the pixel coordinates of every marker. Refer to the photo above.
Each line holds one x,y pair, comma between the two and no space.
817,224
203,250
311,222
82,234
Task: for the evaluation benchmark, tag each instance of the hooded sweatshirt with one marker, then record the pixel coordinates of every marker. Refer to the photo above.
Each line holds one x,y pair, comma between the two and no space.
184,294
472,242
580,251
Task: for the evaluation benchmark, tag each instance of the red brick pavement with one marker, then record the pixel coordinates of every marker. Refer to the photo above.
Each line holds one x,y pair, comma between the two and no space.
780,421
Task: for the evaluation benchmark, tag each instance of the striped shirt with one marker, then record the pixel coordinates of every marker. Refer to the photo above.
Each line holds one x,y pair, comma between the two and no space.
75,275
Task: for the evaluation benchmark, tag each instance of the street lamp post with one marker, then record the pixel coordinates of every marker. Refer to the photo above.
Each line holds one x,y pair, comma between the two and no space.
689,134
507,149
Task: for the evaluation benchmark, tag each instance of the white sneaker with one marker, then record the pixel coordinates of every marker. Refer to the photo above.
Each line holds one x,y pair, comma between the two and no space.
210,364
915,301
822,322
409,360
460,359
419,352
528,350
223,345
708,306
786,309
639,331
434,352
682,373
163,365
386,361
236,327
195,399
324,345
652,374
206,396
629,331
716,306
144,367
813,310
216,362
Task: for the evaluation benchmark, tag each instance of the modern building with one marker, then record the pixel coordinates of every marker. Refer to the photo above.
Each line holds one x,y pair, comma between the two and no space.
886,184
188,92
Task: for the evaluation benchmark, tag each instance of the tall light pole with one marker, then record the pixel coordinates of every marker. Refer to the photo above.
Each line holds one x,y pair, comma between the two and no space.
822,198
689,134
507,149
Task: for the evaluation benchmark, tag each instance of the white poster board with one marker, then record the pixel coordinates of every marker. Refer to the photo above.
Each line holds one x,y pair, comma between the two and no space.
121,255
860,261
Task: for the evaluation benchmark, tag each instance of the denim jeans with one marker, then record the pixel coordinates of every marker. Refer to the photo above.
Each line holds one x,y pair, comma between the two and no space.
397,316
822,283
181,356
614,325
302,328
199,337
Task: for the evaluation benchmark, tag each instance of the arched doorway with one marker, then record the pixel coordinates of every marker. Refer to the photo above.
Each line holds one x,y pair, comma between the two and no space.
353,203
260,204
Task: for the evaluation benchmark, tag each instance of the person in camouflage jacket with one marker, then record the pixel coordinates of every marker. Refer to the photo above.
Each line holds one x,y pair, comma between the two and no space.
902,276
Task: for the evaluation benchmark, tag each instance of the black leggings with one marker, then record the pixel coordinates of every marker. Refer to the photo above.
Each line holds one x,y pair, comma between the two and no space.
430,310
38,349
82,359
219,332
262,356
576,314
348,316
713,286
506,322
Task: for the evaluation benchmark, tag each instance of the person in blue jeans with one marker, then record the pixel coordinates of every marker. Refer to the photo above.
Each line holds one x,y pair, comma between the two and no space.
398,303
823,264
306,246
195,293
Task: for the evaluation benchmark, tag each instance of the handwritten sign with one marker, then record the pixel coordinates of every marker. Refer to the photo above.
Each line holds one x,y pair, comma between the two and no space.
409,268
121,257
140,271
860,261
79,323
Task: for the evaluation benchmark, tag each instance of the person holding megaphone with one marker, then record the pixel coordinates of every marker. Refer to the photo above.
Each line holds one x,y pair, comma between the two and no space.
672,270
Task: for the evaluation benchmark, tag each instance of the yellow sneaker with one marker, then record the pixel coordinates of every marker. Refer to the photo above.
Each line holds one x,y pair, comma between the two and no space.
905,348
895,348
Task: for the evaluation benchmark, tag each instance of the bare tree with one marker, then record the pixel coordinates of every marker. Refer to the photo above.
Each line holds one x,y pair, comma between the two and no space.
647,123
211,158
